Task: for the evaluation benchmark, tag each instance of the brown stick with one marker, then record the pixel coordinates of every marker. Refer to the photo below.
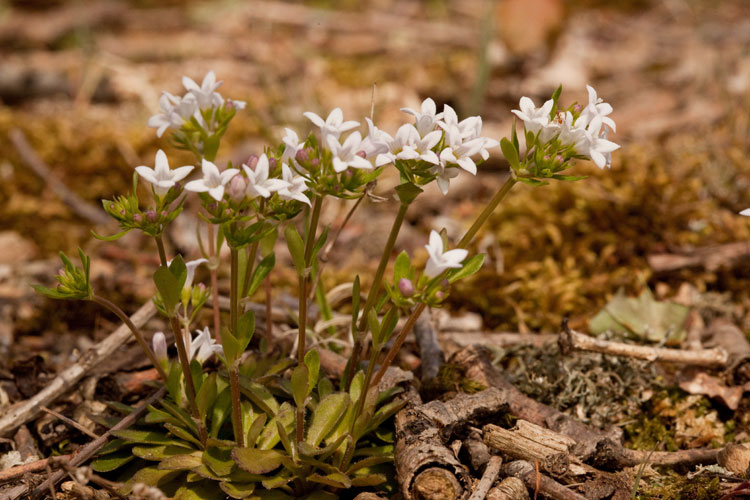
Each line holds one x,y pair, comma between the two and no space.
498,339
21,470
488,478
76,203
28,410
88,451
70,422
710,258
510,488
571,340
550,488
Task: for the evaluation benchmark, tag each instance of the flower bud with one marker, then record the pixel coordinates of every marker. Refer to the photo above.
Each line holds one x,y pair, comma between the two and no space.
362,154
315,163
559,159
440,295
164,214
406,287
159,342
271,164
137,218
252,162
302,155
577,108
123,212
237,188
150,215
445,283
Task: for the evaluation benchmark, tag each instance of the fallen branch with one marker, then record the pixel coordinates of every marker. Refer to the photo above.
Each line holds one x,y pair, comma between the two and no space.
570,340
29,409
510,488
488,478
497,339
23,469
76,203
87,451
550,488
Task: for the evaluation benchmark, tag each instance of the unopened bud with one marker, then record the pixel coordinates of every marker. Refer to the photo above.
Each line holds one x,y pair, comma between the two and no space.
559,159
546,157
237,188
230,105
315,163
440,295
406,287
159,342
271,164
362,154
445,283
164,214
252,162
123,212
577,108
150,215
137,218
212,207
302,156
227,212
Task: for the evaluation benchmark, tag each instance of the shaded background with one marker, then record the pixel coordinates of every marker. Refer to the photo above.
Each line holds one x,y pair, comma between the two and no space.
80,79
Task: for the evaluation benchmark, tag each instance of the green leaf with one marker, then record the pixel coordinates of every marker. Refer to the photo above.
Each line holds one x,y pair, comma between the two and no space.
368,480
271,495
573,178
255,429
258,394
296,248
230,344
336,480
299,383
407,192
184,461
355,303
211,147
401,267
532,182
202,490
219,460
374,325
510,153
319,243
265,266
206,395
179,270
388,325
237,490
112,461
150,476
147,437
221,411
555,98
169,288
312,361
112,446
326,416
514,136
369,462
257,461
245,330
269,437
182,434
469,267
113,237
159,452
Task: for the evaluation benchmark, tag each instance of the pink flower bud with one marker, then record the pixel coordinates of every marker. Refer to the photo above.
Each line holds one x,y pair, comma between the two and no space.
577,108
445,283
252,162
237,188
440,295
559,159
315,163
150,215
271,164
406,287
164,214
362,154
137,218
159,342
302,156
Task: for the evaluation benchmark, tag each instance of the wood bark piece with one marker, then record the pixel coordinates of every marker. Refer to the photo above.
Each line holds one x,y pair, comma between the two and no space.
420,450
548,487
23,469
429,348
510,488
29,409
479,453
530,442
711,258
436,483
488,479
571,340
723,334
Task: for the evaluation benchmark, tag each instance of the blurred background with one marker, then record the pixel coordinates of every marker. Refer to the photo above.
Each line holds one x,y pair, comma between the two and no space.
79,79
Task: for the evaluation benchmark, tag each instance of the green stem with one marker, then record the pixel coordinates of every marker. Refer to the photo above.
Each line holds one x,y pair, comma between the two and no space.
374,290
269,310
160,247
252,252
214,283
182,353
234,384
136,332
470,233
234,296
304,278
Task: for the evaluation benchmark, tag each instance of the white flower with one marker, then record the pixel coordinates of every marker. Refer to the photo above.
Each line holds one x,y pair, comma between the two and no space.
426,118
570,133
174,112
213,181
295,188
440,260
191,266
334,125
746,212
596,108
238,105
161,176
463,150
421,148
205,94
595,144
347,155
376,144
258,182
292,144
159,342
470,128
443,171
203,346
533,118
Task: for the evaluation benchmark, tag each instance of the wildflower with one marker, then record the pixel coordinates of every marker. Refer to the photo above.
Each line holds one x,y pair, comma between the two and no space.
205,94
421,148
746,212
376,144
346,155
427,117
213,181
295,188
596,108
161,176
334,125
292,145
595,144
406,135
159,342
191,266
237,188
443,171
174,112
258,182
462,150
440,260
235,104
533,118
203,346
406,287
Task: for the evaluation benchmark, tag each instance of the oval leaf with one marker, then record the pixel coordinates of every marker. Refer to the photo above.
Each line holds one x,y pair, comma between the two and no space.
257,461
326,416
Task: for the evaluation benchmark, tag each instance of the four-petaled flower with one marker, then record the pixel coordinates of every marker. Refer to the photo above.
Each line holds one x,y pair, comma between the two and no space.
420,148
334,125
291,145
205,94
595,144
427,117
596,108
191,265
161,176
174,112
347,154
213,181
746,212
376,144
295,188
258,183
533,118
203,346
441,260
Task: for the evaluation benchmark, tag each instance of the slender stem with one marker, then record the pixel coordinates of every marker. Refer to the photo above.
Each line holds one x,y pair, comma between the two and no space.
482,217
162,252
304,278
374,290
136,332
234,384
252,252
470,233
214,283
269,309
182,353
234,296
300,424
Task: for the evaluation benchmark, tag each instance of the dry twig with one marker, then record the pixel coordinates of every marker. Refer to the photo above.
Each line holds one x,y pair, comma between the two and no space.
488,478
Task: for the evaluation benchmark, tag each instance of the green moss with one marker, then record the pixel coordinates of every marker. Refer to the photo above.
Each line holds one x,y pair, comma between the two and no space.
673,486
